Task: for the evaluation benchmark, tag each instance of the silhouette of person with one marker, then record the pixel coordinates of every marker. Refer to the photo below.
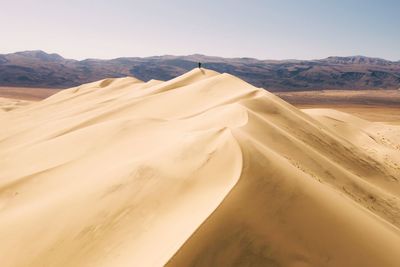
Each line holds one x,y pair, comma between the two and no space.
199,65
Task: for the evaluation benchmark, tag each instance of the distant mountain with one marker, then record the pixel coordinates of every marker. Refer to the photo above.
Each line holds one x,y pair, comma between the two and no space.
39,69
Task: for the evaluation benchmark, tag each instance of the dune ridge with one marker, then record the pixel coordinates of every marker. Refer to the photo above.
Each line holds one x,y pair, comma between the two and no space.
201,170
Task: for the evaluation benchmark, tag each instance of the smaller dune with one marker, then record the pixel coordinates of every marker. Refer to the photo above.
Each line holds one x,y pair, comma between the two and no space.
7,104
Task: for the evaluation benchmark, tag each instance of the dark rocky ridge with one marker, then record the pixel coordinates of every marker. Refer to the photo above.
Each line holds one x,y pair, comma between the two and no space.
39,69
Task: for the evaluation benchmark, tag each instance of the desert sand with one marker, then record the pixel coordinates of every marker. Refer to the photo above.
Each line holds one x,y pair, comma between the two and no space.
27,93
372,105
201,170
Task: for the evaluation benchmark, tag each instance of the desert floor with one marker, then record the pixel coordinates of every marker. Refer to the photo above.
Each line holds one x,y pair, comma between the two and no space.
26,93
372,105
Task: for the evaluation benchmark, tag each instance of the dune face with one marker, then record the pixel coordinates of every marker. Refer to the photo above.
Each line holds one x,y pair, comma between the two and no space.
201,170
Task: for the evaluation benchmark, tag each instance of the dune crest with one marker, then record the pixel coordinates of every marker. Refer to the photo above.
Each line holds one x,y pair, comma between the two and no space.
201,170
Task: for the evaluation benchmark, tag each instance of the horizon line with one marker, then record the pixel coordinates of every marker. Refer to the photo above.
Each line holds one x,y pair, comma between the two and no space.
197,54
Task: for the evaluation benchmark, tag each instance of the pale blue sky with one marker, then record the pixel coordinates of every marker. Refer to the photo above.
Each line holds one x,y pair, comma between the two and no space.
269,29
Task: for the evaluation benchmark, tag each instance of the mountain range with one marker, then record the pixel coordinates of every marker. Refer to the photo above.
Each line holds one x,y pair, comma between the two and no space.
40,69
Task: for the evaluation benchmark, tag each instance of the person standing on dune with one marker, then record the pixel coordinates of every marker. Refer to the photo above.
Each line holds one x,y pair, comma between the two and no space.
199,65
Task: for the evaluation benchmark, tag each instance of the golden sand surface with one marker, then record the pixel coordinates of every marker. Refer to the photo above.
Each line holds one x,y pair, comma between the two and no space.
201,170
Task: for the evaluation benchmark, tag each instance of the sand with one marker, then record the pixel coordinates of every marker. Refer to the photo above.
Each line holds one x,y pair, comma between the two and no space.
372,105
26,93
201,170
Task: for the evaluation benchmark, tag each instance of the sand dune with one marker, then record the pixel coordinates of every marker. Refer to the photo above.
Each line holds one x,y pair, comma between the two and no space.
8,104
201,170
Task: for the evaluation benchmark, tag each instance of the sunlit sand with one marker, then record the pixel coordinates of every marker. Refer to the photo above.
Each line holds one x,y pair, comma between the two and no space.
201,170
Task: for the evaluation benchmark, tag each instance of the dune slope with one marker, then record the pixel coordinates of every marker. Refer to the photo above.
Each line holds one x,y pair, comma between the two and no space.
201,170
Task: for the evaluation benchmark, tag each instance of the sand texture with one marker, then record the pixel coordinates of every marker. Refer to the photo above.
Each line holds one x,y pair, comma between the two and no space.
202,170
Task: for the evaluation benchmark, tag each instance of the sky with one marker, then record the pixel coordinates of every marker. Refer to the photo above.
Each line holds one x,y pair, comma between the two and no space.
264,29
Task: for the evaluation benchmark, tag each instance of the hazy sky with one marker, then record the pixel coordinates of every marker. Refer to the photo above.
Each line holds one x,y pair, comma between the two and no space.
268,29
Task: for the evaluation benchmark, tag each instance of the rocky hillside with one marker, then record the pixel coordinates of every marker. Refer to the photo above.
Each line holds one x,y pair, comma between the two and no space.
39,69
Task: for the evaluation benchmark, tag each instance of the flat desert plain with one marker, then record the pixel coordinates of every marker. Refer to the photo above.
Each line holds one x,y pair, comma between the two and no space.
201,170
372,105
27,93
